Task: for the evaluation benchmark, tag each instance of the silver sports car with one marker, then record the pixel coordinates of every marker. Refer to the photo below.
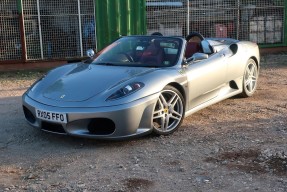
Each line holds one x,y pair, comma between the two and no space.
141,84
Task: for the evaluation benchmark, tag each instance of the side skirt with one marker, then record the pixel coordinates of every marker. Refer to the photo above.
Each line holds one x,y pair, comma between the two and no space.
220,97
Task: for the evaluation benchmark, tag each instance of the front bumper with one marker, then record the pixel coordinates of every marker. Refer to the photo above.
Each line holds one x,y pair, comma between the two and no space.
130,120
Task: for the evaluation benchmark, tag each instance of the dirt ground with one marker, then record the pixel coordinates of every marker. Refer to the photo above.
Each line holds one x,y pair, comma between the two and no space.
236,145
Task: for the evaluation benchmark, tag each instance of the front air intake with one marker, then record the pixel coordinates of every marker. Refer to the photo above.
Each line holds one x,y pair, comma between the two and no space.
101,126
53,127
29,115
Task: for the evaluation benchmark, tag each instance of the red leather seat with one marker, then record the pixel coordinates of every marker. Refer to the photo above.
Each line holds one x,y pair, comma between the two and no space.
191,48
154,54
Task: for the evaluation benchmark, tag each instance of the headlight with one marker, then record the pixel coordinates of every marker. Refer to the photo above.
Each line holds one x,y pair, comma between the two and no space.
126,90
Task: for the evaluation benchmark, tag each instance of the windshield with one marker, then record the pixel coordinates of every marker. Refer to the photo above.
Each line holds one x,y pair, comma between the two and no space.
141,51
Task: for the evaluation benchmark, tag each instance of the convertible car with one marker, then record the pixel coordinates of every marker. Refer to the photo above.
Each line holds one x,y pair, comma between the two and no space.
141,84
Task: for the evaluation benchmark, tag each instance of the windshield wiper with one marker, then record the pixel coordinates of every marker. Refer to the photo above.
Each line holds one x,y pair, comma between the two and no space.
107,64
126,65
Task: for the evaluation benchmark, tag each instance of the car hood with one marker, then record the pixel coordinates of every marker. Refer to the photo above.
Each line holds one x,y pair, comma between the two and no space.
86,81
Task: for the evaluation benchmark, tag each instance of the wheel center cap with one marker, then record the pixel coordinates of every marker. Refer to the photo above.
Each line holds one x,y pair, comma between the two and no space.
165,110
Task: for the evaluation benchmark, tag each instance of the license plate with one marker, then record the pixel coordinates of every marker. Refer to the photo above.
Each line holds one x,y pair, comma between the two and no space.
51,116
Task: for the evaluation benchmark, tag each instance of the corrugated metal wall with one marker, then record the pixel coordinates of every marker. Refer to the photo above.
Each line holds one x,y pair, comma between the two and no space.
116,18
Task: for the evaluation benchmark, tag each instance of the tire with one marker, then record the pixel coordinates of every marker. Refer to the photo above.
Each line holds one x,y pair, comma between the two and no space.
168,112
250,78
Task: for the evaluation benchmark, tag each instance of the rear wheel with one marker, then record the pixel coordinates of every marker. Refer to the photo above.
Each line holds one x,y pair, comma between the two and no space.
168,112
250,78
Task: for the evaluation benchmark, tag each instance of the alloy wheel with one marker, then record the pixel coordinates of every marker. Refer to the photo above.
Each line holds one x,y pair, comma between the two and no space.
168,112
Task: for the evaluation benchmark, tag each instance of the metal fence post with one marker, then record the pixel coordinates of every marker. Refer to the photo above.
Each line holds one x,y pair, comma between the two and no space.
285,21
188,16
40,29
238,20
96,38
80,28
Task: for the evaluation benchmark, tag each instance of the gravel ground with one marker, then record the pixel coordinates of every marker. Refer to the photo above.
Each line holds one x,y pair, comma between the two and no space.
235,145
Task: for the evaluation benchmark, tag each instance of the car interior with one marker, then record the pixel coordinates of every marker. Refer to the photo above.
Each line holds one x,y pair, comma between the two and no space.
196,43
158,52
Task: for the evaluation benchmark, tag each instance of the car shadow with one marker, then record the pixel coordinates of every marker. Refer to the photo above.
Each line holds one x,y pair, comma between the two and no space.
15,130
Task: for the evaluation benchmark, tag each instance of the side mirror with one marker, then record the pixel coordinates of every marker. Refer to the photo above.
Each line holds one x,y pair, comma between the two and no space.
195,57
90,53
199,56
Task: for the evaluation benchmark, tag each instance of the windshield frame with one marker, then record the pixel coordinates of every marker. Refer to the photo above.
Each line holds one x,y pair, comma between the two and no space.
159,51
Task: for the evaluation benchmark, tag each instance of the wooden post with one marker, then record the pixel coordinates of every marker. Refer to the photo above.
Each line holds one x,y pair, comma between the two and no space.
22,30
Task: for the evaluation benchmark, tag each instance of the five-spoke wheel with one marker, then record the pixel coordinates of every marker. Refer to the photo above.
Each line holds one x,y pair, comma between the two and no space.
250,78
168,112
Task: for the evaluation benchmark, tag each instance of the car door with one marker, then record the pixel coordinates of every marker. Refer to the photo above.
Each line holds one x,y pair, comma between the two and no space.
205,78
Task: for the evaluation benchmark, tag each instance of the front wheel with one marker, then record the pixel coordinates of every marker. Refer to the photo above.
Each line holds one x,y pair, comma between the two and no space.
168,112
250,78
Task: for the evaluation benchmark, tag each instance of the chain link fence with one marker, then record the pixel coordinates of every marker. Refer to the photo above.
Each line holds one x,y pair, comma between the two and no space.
58,28
260,21
10,45
166,17
263,21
